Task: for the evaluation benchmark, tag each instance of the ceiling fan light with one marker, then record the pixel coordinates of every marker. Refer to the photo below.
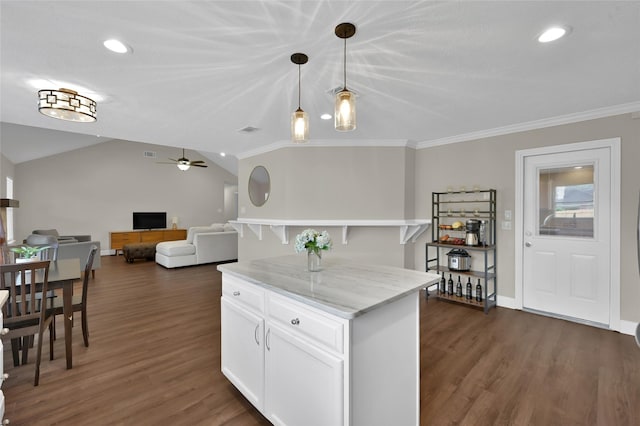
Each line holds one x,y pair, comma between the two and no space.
66,104
300,126
183,165
345,111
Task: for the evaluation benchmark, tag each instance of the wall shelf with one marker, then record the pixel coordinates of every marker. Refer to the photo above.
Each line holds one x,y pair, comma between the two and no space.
409,230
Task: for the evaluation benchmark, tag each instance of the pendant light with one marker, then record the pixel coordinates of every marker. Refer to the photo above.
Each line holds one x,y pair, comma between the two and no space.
67,104
345,107
299,118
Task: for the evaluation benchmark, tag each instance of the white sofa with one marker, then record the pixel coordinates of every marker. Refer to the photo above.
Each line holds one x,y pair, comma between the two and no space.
204,244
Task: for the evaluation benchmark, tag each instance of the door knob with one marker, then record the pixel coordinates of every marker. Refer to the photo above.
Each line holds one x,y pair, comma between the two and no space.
528,244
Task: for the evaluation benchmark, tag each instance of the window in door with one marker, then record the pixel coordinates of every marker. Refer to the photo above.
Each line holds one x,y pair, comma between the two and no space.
566,201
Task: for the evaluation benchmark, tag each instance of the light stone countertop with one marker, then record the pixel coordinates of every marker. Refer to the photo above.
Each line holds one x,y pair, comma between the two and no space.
343,287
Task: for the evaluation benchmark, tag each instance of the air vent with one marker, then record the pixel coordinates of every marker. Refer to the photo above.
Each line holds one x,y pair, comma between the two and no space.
248,129
149,154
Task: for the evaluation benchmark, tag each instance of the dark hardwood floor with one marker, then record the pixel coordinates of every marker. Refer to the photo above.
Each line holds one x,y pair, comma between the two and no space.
154,358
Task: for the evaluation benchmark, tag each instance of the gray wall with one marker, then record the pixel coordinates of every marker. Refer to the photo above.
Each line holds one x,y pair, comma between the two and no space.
373,183
329,183
94,190
6,169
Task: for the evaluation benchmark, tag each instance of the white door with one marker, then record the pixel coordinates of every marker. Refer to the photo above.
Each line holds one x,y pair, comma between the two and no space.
303,384
567,237
242,355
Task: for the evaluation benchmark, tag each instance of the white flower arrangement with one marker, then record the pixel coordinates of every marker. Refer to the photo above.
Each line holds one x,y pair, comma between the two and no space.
312,240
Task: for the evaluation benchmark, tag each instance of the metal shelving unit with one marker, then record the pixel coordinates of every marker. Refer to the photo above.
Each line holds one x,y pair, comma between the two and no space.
447,207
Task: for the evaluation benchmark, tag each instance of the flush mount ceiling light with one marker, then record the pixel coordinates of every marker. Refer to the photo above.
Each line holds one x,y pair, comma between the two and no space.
66,104
345,107
299,118
552,34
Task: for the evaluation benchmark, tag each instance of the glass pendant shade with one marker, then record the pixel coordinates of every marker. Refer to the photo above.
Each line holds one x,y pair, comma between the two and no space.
299,126
345,111
66,104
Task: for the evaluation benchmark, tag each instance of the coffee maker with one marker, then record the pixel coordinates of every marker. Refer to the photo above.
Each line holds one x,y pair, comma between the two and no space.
472,237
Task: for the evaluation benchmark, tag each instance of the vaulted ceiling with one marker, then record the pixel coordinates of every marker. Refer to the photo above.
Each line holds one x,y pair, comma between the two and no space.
201,71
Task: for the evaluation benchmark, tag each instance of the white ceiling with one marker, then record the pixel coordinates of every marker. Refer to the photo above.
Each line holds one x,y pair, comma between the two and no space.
202,70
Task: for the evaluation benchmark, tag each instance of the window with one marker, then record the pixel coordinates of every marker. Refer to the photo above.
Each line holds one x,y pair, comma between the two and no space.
567,201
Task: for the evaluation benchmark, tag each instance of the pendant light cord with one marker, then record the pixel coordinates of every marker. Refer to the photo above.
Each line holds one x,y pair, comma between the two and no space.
298,86
345,64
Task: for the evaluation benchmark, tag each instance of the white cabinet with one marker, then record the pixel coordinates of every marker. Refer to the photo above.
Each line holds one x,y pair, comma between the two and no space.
303,383
242,350
285,358
341,347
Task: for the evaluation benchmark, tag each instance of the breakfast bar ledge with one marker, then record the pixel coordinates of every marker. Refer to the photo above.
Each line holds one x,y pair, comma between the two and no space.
410,230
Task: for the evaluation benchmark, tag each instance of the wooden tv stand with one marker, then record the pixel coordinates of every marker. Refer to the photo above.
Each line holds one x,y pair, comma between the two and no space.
119,239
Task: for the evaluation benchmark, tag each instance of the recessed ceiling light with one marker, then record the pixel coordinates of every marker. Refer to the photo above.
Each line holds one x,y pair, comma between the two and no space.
116,46
552,34
326,116
222,154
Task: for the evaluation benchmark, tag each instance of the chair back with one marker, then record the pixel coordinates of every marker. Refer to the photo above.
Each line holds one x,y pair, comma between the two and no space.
87,271
24,281
49,241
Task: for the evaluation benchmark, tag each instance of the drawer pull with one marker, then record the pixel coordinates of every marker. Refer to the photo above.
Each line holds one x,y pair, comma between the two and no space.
4,331
295,321
236,293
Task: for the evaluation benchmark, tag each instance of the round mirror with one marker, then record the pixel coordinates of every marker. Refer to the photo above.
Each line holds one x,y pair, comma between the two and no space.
259,186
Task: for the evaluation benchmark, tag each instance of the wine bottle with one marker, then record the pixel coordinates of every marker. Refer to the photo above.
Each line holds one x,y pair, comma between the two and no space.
478,291
450,286
459,288
443,285
469,294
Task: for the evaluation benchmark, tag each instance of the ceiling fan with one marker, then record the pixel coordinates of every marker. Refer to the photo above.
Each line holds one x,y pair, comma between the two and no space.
184,163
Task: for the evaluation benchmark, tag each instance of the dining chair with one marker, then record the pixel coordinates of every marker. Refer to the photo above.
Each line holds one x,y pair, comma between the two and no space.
79,302
22,317
49,241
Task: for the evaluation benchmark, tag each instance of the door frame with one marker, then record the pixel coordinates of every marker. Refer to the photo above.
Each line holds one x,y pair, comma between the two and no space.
614,257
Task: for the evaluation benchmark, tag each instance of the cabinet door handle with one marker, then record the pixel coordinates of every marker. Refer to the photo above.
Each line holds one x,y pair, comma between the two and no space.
236,293
295,321
266,340
255,334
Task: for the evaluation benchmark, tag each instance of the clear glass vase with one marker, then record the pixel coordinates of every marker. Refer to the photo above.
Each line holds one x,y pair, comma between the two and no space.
314,260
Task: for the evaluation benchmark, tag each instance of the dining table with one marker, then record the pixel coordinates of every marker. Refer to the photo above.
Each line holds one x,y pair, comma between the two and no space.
62,274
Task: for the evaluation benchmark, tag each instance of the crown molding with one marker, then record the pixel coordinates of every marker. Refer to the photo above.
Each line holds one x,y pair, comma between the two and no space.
630,107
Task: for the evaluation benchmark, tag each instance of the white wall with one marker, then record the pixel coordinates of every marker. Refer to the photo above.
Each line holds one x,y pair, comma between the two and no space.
94,190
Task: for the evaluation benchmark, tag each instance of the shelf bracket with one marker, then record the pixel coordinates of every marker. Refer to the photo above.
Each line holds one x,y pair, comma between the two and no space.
345,231
238,227
257,229
282,232
411,232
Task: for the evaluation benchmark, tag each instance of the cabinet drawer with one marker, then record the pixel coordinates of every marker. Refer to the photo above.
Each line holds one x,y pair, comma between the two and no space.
247,294
302,320
175,234
151,236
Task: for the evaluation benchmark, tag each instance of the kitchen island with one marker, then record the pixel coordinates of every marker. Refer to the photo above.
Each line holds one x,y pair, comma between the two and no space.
335,347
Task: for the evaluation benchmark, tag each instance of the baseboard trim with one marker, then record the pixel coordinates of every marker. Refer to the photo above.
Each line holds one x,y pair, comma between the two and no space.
506,302
628,327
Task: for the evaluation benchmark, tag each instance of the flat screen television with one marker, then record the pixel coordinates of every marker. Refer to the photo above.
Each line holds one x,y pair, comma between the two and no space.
149,220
